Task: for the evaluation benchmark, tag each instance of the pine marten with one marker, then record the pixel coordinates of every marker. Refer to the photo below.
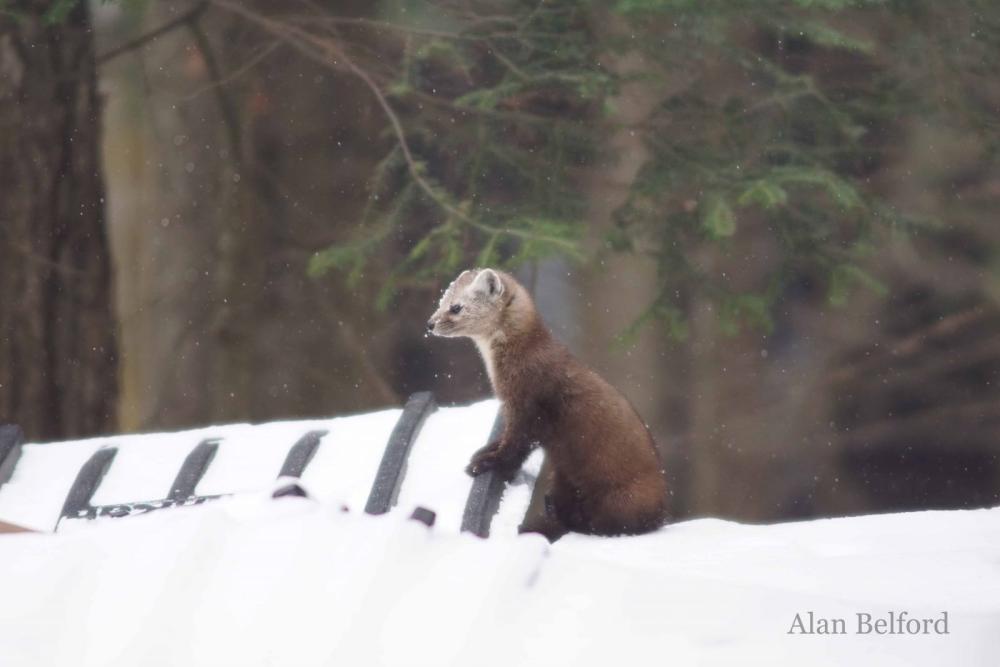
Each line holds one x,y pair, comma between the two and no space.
607,478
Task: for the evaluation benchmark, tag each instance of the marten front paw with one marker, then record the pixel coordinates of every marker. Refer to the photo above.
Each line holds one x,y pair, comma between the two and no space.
488,458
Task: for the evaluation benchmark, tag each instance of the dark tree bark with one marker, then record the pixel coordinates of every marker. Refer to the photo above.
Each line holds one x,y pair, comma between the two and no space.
58,370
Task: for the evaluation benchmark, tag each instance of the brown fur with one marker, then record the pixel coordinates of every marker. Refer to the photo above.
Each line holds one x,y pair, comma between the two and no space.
607,478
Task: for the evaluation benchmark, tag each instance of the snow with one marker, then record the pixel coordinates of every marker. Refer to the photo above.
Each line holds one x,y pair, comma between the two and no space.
446,443
345,464
516,497
249,580
253,581
249,457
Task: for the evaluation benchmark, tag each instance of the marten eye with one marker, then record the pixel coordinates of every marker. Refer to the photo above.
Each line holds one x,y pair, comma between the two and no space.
455,309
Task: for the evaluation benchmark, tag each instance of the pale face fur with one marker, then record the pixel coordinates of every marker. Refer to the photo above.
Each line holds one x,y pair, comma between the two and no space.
491,309
472,306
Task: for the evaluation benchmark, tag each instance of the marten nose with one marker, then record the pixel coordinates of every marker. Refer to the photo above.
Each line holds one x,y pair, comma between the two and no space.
430,325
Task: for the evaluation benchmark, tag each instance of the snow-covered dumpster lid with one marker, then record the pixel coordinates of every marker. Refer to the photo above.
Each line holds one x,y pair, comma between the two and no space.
254,582
402,459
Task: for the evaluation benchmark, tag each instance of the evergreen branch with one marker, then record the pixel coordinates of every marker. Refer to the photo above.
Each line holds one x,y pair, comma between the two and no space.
568,246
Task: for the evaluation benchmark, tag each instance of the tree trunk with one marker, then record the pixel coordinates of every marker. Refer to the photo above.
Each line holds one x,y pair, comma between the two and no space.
220,195
58,370
618,289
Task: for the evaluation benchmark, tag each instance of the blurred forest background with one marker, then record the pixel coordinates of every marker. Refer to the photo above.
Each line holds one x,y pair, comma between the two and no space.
771,223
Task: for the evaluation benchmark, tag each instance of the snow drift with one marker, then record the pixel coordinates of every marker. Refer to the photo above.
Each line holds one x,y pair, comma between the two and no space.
250,580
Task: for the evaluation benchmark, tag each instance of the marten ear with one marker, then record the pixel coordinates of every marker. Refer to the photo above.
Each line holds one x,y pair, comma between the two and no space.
488,284
464,278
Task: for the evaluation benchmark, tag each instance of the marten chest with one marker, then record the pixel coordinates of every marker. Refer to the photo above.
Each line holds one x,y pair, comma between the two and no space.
538,405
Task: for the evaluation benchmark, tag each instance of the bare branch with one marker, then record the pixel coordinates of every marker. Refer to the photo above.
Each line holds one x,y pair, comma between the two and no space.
235,74
142,40
226,108
969,416
910,345
329,53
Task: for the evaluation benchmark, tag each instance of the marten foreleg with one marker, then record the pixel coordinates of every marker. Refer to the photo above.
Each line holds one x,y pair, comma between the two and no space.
507,454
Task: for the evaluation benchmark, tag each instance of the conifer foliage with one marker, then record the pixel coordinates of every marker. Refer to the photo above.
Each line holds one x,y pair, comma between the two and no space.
775,121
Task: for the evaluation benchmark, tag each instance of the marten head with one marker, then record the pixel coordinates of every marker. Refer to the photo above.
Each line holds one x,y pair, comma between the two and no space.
483,304
471,306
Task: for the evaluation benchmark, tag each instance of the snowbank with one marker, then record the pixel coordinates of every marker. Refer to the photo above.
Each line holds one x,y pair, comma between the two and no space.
248,580
250,456
253,581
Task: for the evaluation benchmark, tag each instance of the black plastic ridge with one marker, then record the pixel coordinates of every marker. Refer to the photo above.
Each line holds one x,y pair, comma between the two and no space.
301,454
192,470
11,439
87,481
392,469
484,496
